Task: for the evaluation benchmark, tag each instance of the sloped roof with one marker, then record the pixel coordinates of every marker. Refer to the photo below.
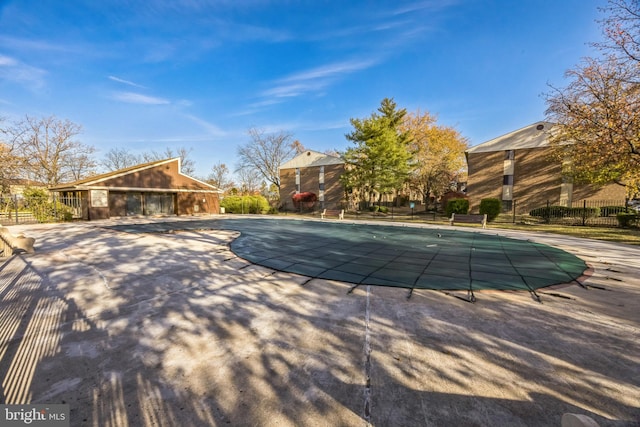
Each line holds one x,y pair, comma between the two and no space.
535,135
311,158
96,180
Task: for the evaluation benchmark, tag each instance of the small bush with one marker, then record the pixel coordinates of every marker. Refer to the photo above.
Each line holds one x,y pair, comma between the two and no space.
628,219
459,206
491,207
306,200
381,209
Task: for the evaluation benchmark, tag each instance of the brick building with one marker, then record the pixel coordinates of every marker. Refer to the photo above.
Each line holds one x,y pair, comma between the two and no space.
155,188
314,172
517,167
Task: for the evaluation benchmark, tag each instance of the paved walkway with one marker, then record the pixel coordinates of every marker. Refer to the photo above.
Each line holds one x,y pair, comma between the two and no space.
175,329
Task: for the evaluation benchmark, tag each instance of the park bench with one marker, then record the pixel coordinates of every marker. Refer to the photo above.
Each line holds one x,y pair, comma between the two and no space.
9,243
332,212
469,219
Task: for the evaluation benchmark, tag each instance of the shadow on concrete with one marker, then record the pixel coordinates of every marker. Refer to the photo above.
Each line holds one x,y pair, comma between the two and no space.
174,329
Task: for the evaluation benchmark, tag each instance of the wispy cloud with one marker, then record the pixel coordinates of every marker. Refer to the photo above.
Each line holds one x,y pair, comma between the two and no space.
211,129
126,82
315,79
429,5
13,70
137,98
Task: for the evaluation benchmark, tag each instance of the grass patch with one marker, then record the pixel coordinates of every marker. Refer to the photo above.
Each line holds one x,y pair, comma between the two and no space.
630,236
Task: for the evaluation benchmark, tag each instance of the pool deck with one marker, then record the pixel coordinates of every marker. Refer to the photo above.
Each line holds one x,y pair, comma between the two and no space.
136,329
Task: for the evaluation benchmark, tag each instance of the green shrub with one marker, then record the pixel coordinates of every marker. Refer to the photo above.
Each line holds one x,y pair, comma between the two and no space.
628,219
245,204
459,206
491,207
550,212
381,209
38,202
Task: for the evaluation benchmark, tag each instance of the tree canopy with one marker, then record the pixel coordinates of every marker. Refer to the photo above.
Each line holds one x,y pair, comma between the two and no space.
48,150
438,153
379,161
598,111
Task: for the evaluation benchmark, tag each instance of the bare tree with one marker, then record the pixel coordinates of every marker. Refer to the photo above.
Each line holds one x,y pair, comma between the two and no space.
50,151
266,152
119,158
220,176
187,166
250,180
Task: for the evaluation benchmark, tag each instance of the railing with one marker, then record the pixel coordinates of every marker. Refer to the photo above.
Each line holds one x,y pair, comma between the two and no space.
579,212
30,210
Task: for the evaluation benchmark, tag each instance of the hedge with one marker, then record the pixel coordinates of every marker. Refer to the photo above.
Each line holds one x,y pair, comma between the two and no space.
491,207
564,212
459,206
245,204
628,219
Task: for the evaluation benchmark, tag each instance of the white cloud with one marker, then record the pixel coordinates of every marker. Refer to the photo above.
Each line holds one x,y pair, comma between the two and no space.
13,70
137,98
211,129
315,79
126,82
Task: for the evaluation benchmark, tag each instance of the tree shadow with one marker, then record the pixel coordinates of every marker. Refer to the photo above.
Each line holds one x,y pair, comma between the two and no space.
174,329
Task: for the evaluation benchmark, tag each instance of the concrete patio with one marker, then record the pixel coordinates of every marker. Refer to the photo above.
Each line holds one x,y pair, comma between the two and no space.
137,329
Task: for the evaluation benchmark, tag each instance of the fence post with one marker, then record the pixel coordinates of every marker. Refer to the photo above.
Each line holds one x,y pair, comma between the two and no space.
55,208
15,203
548,216
584,212
514,212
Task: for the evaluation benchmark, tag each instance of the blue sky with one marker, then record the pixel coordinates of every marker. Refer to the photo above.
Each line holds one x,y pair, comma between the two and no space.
147,75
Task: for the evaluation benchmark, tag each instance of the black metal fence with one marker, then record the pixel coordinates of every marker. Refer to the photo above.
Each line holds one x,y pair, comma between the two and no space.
17,209
579,212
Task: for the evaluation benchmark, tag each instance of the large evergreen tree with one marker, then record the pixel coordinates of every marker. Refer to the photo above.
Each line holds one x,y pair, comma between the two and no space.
379,161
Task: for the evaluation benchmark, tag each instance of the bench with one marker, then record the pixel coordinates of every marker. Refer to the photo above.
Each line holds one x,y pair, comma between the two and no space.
9,243
332,212
469,218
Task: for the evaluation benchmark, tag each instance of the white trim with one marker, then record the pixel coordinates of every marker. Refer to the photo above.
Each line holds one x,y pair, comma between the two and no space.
139,189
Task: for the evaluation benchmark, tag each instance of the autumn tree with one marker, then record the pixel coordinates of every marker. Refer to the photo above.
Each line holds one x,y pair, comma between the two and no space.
438,154
49,150
265,152
379,162
621,28
598,122
10,161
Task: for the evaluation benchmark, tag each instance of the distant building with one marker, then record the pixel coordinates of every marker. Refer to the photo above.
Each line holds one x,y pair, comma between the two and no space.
155,188
314,172
517,167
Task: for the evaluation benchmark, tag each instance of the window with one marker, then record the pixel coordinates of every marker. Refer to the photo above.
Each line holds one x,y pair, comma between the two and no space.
507,180
509,154
321,186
